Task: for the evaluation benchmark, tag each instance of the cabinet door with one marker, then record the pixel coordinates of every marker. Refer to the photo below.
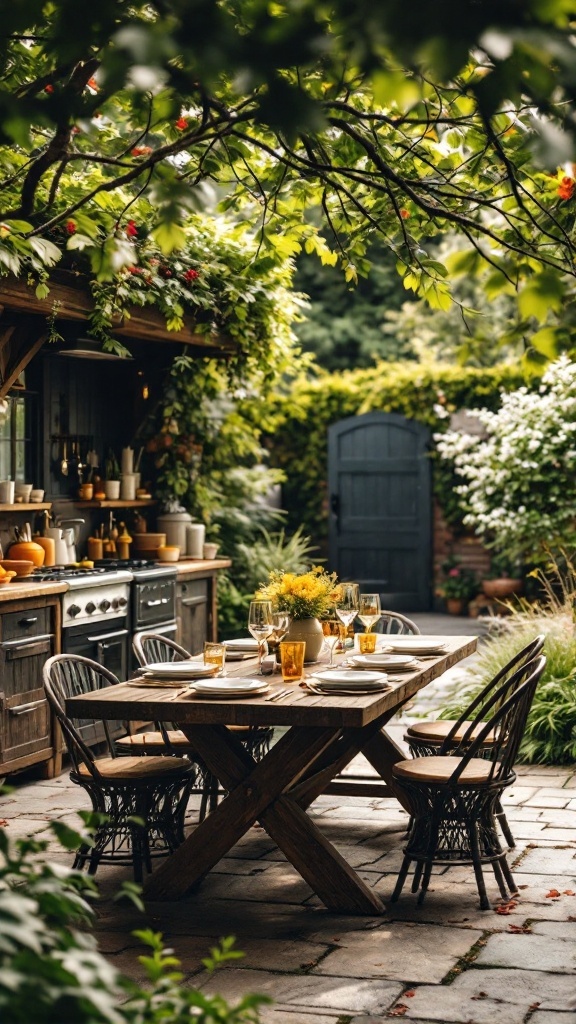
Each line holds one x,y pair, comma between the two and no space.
193,615
25,724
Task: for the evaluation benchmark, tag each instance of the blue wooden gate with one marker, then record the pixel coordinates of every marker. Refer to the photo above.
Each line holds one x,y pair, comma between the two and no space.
380,507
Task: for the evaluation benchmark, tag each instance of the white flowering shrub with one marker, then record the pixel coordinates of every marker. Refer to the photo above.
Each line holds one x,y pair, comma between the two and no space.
519,482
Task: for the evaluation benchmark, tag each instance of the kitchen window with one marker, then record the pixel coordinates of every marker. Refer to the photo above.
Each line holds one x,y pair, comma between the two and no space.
15,437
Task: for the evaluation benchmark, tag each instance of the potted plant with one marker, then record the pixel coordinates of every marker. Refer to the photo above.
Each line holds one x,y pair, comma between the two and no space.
504,578
458,587
112,482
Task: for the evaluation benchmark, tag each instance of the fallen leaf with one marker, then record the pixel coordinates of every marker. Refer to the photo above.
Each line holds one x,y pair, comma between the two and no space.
520,929
525,886
398,1011
569,892
4,822
409,994
552,895
534,1006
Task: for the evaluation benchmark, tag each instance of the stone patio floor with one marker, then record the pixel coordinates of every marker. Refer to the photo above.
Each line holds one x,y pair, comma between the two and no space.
446,961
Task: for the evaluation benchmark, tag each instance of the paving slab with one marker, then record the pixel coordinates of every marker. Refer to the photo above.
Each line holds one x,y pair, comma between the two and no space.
442,1003
551,991
401,950
343,994
530,953
552,1017
548,859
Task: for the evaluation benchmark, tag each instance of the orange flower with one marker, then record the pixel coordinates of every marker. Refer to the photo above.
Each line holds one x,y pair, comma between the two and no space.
566,188
141,150
181,124
71,227
131,229
404,214
48,88
92,84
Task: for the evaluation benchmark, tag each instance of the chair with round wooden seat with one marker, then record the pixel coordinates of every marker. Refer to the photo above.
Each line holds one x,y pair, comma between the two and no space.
153,648
140,801
453,797
430,738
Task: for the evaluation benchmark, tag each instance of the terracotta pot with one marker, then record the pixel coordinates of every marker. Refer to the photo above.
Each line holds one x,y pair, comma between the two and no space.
455,605
309,630
501,588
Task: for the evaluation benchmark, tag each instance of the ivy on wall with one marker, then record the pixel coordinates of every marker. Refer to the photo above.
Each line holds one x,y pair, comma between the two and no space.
298,421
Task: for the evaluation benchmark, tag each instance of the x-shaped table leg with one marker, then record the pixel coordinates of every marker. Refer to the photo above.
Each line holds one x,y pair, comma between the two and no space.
260,791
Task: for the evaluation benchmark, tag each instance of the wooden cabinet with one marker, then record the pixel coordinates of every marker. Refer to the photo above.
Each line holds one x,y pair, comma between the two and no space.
192,614
29,634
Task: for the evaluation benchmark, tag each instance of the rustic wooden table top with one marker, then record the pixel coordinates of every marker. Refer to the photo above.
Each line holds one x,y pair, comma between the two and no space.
127,701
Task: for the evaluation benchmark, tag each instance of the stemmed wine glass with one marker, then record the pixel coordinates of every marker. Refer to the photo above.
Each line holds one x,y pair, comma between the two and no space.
260,625
346,604
369,610
280,626
331,630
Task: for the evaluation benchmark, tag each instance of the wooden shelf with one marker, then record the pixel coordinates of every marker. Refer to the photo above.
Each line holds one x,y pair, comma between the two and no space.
115,504
33,506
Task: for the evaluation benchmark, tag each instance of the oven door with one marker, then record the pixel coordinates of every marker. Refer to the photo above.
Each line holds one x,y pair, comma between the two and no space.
107,644
154,601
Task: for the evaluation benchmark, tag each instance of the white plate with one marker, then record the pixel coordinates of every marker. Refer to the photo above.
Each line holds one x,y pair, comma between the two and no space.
179,670
232,655
349,679
414,644
231,688
395,661
242,643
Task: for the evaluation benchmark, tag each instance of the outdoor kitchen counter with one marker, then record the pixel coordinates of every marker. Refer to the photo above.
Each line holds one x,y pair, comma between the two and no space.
188,568
20,591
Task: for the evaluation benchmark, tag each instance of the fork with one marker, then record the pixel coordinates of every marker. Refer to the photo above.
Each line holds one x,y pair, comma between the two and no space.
179,693
279,695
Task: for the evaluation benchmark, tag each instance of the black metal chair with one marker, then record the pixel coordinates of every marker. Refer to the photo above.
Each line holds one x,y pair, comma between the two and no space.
153,648
142,799
453,798
430,738
397,624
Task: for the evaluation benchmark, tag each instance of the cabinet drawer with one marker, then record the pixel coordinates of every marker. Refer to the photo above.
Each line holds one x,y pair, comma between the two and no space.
194,592
32,622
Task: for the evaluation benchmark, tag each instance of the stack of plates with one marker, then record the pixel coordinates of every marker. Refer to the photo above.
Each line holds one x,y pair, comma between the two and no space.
397,662
174,673
415,645
347,681
243,647
227,688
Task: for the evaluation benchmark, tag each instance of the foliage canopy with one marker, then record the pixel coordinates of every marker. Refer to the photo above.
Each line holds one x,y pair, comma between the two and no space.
390,125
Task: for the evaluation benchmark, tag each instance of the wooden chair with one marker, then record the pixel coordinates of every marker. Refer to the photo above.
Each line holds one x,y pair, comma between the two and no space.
152,648
142,800
453,798
432,738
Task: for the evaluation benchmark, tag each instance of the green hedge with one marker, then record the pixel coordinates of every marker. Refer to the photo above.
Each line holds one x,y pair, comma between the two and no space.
298,422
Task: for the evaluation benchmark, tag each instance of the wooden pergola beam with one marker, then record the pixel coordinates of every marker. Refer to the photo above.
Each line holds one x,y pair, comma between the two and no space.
73,302
18,346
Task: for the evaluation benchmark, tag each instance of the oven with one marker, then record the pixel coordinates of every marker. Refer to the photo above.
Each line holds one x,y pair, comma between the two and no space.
152,597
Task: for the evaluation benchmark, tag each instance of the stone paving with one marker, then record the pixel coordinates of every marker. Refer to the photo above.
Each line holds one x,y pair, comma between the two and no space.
446,961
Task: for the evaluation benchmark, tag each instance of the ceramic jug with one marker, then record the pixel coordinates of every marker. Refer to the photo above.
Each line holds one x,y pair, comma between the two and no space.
61,548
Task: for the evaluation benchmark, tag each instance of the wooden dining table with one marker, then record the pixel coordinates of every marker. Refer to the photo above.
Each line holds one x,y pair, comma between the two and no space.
322,734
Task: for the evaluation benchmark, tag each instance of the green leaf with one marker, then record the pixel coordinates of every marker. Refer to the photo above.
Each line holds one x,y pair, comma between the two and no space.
169,236
541,296
545,341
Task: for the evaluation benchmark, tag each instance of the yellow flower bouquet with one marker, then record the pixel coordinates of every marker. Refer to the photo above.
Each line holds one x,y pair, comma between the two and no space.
304,596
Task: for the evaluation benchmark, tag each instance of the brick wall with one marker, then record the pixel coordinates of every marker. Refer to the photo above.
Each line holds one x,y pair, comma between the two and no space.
466,548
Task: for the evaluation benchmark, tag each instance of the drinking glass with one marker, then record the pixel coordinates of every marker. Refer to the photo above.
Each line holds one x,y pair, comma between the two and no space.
331,630
292,660
215,654
369,610
260,625
347,603
281,624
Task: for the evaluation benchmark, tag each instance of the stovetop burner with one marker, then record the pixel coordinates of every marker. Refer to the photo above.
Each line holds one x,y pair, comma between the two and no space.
57,573
111,564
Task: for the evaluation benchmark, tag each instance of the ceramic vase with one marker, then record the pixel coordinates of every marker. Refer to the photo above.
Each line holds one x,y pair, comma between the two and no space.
309,630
